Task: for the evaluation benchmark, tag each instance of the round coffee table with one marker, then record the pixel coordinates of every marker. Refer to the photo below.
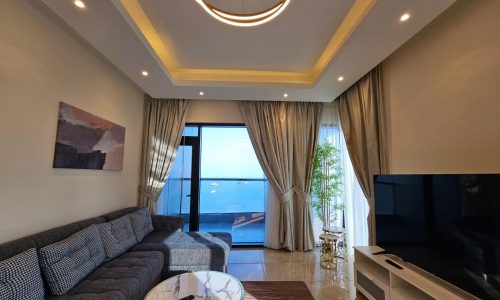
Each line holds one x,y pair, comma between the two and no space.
210,285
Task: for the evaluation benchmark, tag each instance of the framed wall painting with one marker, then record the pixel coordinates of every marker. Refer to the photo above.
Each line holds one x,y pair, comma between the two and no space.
86,141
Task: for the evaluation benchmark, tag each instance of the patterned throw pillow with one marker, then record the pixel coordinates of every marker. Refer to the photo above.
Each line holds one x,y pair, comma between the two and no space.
67,262
20,277
117,236
141,222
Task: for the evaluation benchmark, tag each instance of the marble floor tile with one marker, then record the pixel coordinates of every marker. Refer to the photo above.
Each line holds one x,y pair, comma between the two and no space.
247,272
325,291
280,265
245,256
287,271
277,256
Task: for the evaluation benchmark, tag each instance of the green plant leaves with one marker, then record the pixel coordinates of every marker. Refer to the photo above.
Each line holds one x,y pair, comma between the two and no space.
327,182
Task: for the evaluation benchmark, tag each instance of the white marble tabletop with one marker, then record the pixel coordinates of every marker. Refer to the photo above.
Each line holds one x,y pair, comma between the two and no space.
206,285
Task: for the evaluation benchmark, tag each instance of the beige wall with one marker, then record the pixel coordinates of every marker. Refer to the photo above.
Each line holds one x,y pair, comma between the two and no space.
214,111
41,64
443,94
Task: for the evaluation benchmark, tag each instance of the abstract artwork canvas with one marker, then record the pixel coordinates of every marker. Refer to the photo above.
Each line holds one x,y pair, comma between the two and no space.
86,141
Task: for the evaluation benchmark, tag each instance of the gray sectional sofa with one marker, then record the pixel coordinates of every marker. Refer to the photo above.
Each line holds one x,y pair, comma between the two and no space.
120,255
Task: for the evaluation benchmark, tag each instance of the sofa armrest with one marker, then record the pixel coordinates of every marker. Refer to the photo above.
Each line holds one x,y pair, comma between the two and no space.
167,223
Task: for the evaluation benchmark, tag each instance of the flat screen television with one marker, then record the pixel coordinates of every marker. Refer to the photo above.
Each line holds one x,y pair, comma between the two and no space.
448,225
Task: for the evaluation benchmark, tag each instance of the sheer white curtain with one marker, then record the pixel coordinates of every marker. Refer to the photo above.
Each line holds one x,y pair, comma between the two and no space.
356,210
329,132
356,205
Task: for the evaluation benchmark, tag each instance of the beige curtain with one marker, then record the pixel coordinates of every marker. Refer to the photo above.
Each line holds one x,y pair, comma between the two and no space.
280,133
363,124
164,121
306,129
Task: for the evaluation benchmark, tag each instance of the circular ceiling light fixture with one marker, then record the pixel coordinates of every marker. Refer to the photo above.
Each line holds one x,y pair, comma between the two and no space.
244,20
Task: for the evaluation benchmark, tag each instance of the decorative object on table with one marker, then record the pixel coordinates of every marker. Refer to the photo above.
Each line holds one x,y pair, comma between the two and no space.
338,234
276,290
201,284
327,183
333,246
86,141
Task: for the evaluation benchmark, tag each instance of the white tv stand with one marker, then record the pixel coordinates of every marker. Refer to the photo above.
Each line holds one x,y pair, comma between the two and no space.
377,279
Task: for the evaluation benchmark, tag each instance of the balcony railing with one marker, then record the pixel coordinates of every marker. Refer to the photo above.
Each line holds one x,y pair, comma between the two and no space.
234,205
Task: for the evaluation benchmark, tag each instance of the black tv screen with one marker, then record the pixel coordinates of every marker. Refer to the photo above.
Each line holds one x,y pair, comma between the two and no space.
448,225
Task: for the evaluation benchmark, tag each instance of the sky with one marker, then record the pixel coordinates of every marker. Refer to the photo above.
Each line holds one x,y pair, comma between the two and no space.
227,152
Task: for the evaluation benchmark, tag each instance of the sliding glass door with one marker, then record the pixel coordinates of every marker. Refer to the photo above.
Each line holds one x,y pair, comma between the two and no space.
217,183
233,185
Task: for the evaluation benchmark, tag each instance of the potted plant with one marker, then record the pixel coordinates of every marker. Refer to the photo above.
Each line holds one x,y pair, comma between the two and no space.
327,183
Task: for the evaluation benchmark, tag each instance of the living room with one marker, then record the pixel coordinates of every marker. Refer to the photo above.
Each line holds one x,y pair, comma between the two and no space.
214,125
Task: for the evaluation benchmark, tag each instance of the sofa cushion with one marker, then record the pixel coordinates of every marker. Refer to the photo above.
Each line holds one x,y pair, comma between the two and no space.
20,277
117,236
189,248
67,262
141,223
129,276
119,213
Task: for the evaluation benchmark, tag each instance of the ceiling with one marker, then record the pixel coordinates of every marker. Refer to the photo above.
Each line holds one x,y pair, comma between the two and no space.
301,53
274,47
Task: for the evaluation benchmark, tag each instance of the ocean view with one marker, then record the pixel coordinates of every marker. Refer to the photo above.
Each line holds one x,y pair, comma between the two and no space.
232,188
223,196
229,196
233,206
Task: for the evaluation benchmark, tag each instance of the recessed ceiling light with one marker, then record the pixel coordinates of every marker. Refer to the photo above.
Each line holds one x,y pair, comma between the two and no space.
285,95
79,3
202,93
341,78
404,17
145,73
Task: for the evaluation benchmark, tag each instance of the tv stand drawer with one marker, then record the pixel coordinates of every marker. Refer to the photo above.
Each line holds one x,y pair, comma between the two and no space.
369,288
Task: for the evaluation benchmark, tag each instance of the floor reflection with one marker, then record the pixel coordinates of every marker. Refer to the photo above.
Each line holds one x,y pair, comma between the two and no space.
255,264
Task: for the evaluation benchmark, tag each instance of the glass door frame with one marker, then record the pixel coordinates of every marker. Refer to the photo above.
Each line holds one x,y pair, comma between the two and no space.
195,143
194,196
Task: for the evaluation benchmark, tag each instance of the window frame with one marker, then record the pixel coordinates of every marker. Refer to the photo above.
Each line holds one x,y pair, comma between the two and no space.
195,201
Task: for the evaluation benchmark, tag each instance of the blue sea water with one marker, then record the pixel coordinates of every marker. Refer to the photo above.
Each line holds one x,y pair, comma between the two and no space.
232,196
224,196
232,206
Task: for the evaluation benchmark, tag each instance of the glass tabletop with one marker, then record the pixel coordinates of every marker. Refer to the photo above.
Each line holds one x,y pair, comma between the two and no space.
210,285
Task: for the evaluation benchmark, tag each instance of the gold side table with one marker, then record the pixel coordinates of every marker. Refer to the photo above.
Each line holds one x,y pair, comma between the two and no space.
333,245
